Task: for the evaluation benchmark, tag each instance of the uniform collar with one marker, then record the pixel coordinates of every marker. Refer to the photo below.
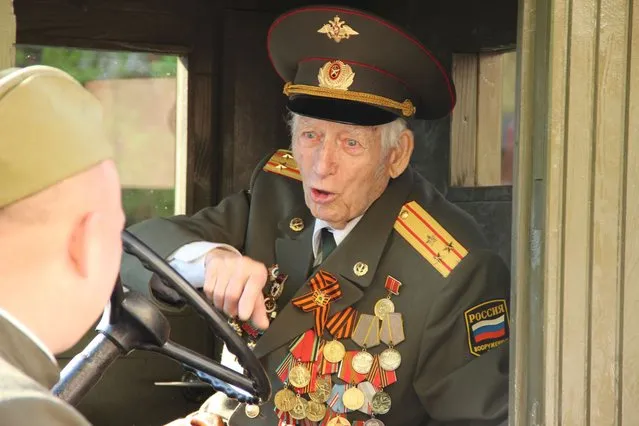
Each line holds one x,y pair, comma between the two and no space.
25,351
338,234
27,332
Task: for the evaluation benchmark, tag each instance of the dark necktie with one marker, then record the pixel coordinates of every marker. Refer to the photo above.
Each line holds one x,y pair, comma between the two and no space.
328,243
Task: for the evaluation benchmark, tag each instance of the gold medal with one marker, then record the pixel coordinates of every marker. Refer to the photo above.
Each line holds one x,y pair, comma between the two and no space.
334,351
285,400
362,362
299,376
338,421
384,307
299,409
315,411
322,389
252,411
353,398
381,403
390,359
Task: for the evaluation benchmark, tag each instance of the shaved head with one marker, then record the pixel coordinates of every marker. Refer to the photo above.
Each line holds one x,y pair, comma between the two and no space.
61,215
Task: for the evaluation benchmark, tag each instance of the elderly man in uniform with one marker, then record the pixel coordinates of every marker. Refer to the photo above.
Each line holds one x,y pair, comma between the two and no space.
368,297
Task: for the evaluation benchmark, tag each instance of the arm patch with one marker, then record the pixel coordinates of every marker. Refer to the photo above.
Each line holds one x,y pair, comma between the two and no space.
488,325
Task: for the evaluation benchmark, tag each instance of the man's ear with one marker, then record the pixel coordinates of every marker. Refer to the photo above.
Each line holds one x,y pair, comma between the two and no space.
399,157
81,244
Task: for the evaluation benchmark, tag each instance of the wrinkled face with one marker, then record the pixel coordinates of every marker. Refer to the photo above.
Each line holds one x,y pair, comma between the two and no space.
344,168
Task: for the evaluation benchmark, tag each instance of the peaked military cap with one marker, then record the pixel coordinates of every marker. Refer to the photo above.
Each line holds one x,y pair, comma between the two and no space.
347,65
50,129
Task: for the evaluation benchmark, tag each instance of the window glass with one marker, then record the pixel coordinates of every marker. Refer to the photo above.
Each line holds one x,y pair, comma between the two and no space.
138,93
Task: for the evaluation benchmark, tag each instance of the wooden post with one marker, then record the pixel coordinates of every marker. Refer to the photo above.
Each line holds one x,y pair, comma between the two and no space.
489,112
576,234
463,134
7,34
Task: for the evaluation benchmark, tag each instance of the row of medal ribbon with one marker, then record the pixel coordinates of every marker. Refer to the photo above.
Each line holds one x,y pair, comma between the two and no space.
311,361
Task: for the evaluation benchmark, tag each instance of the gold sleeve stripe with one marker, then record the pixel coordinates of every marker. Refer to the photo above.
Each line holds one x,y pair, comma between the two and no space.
282,163
428,237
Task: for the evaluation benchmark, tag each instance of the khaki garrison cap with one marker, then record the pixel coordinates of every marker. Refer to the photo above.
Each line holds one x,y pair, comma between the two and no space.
50,129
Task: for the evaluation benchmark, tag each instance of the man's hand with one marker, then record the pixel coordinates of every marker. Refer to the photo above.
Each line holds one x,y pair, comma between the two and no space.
234,283
198,419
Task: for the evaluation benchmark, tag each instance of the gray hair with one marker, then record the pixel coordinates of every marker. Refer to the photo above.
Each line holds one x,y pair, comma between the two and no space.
389,132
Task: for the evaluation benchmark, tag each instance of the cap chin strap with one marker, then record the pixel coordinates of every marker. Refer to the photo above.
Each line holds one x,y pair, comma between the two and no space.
407,108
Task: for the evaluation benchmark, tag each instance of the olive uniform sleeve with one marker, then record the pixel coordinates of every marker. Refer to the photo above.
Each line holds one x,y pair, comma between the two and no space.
462,372
225,223
39,410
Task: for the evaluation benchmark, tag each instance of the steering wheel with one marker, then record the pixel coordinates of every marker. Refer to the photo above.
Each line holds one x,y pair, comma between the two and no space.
132,322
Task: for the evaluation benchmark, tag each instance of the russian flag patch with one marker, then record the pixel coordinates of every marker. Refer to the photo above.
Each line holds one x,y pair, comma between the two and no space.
488,325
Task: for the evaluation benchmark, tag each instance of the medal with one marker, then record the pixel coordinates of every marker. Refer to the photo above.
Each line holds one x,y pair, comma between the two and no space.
353,398
315,411
299,409
324,290
391,333
381,403
322,390
334,351
366,335
384,307
346,371
252,411
285,400
362,362
373,422
338,421
390,359
299,376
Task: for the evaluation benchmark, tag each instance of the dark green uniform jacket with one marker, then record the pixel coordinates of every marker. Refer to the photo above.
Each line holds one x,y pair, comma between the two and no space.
26,375
454,368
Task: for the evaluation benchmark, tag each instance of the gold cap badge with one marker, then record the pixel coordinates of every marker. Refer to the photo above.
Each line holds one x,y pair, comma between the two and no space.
336,75
337,30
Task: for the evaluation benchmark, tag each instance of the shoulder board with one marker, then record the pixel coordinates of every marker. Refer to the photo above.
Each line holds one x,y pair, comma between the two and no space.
428,237
282,163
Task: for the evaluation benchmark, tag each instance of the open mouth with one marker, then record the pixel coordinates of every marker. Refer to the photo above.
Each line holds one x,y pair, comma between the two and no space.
321,196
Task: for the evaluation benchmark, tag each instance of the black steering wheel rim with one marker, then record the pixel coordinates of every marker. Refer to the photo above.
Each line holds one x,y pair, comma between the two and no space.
260,385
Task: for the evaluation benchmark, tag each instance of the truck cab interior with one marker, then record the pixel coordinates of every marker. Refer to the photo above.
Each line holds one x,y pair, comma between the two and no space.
193,104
